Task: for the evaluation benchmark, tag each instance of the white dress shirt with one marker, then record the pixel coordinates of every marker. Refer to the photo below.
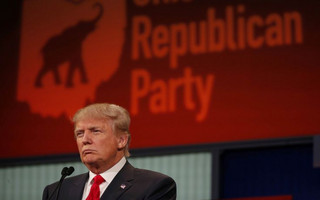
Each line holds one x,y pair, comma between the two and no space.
107,175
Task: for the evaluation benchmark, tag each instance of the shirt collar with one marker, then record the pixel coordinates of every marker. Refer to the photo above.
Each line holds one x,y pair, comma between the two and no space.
110,173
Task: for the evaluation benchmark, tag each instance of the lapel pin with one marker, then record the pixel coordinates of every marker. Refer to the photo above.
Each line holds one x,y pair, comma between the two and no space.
123,186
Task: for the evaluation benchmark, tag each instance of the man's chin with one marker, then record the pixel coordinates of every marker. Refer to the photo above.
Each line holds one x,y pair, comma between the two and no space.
89,159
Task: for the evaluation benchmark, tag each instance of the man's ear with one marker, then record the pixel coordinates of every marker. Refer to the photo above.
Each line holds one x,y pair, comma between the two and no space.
122,140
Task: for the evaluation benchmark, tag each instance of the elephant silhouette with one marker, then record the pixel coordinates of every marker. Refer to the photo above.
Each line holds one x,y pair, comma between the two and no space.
67,48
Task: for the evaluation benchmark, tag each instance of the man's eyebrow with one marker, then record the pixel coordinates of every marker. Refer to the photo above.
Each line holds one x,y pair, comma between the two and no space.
94,127
89,128
78,130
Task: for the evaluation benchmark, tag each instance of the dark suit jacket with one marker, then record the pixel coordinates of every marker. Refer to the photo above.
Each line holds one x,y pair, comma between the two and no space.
129,184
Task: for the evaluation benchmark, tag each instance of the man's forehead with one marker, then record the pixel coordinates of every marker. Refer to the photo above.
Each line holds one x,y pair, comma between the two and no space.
91,122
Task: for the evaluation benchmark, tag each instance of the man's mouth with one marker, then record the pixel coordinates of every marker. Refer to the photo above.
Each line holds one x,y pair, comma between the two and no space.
87,151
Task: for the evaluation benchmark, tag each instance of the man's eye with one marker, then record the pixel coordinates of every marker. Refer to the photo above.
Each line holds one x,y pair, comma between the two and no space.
79,134
96,131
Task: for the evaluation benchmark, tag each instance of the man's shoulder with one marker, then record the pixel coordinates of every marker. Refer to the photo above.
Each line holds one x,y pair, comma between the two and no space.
151,176
70,183
139,171
72,179
149,184
78,177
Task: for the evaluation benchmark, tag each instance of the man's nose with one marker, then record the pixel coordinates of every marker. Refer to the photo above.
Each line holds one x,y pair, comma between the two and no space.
87,138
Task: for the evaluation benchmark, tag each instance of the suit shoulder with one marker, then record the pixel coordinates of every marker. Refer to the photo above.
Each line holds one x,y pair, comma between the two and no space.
151,175
50,190
149,172
77,177
70,179
154,185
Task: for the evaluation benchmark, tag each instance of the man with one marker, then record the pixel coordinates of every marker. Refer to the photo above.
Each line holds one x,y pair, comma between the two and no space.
102,136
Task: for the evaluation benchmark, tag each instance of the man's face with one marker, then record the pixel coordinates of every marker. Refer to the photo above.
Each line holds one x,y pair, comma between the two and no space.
97,144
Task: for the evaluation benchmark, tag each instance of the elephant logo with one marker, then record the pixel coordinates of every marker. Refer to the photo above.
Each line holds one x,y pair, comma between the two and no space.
66,47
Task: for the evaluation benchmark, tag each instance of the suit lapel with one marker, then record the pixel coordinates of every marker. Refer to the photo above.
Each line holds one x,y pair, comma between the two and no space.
77,187
121,183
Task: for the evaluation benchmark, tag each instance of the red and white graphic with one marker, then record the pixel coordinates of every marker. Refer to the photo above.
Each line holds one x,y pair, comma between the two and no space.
67,49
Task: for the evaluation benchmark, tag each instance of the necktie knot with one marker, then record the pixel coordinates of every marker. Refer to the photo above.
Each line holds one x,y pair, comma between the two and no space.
98,179
95,190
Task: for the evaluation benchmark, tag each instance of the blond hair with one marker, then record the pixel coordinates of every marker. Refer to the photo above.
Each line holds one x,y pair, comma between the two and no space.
117,115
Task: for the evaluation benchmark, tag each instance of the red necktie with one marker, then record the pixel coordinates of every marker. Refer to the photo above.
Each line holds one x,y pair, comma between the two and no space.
95,190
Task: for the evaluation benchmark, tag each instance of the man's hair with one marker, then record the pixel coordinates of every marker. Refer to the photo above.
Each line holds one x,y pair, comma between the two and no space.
117,115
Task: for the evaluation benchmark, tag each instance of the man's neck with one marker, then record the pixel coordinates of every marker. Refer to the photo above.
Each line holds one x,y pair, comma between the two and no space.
99,168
